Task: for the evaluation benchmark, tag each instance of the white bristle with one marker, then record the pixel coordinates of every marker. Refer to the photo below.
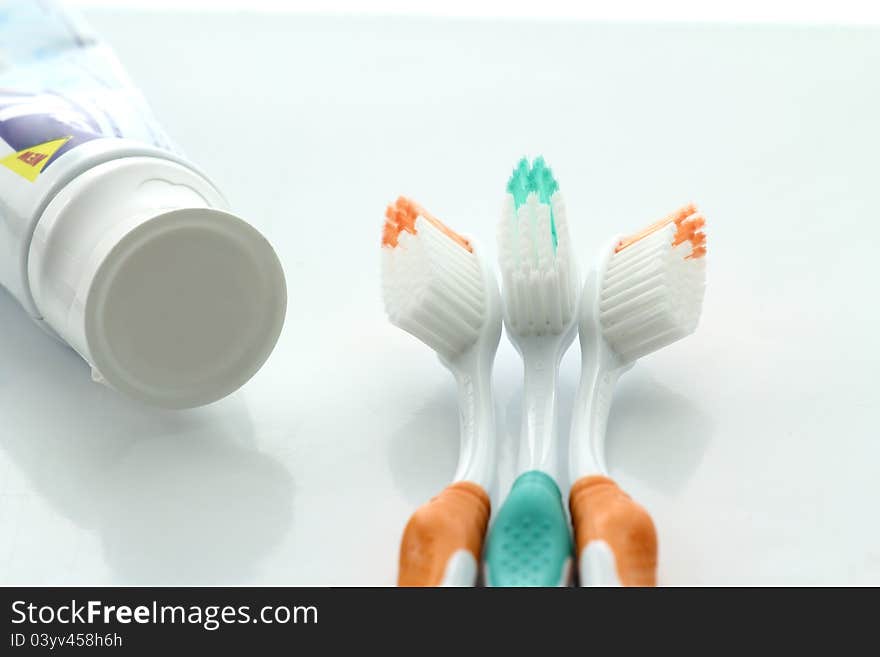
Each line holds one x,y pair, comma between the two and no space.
539,285
433,288
652,294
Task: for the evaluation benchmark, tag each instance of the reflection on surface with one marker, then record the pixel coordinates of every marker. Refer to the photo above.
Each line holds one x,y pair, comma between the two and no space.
177,497
192,510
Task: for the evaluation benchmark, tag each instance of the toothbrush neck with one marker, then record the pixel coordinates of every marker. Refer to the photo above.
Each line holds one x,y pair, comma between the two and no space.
476,459
590,417
538,444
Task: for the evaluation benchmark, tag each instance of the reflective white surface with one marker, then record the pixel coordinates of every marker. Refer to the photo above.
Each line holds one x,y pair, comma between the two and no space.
754,443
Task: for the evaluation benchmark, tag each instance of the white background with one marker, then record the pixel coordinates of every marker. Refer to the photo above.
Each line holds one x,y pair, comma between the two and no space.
840,11
753,443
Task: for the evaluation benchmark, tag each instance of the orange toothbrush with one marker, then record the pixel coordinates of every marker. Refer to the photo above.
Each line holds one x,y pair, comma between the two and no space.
438,288
645,292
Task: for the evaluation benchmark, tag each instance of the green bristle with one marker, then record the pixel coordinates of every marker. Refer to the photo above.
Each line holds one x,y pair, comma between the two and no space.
536,179
544,184
519,182
542,181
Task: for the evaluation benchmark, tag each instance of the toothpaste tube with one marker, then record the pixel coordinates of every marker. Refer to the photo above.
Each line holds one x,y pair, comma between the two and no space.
109,237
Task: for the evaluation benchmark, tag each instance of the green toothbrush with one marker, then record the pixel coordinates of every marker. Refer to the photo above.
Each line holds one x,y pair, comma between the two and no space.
530,542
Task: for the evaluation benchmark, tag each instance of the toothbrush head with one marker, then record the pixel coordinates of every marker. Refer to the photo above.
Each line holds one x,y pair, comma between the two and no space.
433,282
540,281
652,286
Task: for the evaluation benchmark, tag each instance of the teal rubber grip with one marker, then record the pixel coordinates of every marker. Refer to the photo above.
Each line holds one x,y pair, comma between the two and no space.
530,542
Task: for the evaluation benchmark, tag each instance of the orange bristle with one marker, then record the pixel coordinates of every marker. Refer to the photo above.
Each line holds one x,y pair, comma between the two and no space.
398,218
688,222
402,217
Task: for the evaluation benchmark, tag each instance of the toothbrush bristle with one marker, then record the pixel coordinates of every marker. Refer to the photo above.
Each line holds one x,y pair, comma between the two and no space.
401,216
688,222
432,282
540,283
652,289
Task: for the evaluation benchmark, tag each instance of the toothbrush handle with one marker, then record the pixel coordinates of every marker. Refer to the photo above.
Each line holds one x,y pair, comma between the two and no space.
443,539
615,536
530,542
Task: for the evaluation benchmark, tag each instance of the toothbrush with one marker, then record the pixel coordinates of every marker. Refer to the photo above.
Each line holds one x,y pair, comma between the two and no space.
644,293
437,287
530,543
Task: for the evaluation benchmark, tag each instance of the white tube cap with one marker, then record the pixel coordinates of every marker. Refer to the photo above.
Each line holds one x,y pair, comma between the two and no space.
171,300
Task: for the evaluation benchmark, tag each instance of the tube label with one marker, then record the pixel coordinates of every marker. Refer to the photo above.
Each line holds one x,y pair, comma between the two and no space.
39,128
60,89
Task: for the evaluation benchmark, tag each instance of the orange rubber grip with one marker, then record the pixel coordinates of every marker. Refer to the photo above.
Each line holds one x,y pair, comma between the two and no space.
601,511
453,520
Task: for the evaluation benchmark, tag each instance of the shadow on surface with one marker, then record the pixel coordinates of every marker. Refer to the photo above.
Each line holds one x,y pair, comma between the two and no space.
424,451
654,434
177,497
